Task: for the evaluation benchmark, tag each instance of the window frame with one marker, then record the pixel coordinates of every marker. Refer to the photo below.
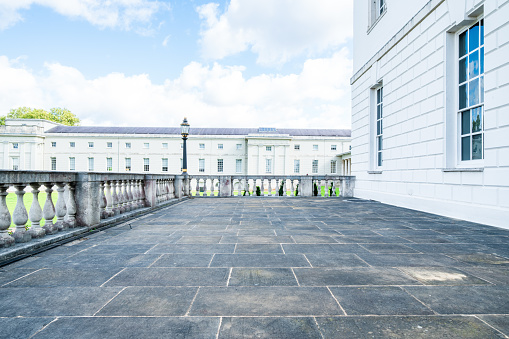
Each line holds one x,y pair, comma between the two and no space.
53,162
314,166
15,145
146,164
90,144
164,165
238,165
53,144
72,163
128,164
220,165
200,146
334,166
72,144
296,166
296,147
268,148
378,131
91,164
201,168
268,166
239,146
109,164
128,145
315,147
220,146
109,144
164,145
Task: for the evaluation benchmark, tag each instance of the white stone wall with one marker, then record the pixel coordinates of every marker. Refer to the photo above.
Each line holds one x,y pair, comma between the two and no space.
418,72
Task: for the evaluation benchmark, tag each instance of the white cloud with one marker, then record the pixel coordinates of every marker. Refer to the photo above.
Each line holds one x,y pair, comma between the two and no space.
275,30
215,96
123,14
165,41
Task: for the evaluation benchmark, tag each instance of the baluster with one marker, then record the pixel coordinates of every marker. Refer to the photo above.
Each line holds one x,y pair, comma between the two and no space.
48,211
121,196
61,209
142,194
197,187
334,188
35,213
103,201
114,197
262,187
134,192
20,216
212,188
270,187
5,219
71,206
129,195
109,201
285,194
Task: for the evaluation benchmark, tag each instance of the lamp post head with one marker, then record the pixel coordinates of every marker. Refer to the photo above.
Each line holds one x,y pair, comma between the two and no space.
184,128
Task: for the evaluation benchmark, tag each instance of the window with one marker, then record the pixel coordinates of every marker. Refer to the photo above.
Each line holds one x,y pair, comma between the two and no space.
146,164
109,164
146,145
296,147
333,166
268,165
128,164
268,148
238,166
239,146
379,125
90,164
72,144
53,144
15,145
15,163
296,166
315,166
127,145
53,164
219,146
202,146
165,145
378,7
72,164
201,165
315,147
165,165
333,147
471,92
91,144
220,165
109,145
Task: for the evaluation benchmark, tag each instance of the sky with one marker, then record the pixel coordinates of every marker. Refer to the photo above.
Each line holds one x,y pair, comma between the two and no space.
230,63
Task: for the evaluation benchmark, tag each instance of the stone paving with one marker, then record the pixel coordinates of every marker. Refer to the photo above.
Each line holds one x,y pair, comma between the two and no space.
267,268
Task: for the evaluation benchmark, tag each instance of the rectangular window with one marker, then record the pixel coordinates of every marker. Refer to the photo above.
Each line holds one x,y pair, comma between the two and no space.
146,145
90,164
72,144
268,165
128,164
53,164
471,92
202,146
239,146
15,163
333,147
53,144
91,144
72,164
15,145
165,165
165,145
109,164
315,166
219,146
268,148
296,147
333,166
379,125
296,166
220,165
146,164
109,144
315,147
127,145
238,166
377,8
201,165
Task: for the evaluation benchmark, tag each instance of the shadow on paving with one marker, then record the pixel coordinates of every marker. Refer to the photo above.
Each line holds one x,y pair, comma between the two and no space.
267,268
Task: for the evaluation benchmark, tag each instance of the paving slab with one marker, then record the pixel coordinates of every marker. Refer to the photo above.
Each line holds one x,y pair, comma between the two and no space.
66,277
183,260
442,276
269,327
259,248
22,328
259,260
262,277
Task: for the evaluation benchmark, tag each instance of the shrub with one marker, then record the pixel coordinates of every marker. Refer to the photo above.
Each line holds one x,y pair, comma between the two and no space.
258,191
297,190
281,189
315,190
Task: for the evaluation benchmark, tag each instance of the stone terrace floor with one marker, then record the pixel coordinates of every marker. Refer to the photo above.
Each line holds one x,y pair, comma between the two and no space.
267,268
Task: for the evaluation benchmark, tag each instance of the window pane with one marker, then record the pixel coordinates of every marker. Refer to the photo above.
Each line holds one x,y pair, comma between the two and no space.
379,158
465,148
380,143
476,120
473,35
378,129
482,32
473,92
463,96
463,44
477,146
378,112
378,96
473,65
482,60
462,70
482,89
465,122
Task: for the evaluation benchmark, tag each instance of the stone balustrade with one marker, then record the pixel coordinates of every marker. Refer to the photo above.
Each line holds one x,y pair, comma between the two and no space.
83,199
270,185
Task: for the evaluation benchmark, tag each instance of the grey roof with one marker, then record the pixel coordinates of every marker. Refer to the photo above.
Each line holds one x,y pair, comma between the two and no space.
198,131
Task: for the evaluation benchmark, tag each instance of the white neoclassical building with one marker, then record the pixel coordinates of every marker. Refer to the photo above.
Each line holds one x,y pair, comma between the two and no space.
44,145
430,106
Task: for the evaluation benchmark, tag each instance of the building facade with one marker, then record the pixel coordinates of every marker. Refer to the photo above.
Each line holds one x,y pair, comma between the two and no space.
44,145
430,106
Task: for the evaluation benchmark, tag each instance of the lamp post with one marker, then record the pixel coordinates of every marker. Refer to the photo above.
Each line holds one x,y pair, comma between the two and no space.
184,130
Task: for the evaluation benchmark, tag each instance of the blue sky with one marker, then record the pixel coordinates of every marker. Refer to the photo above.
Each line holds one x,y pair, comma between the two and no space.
233,63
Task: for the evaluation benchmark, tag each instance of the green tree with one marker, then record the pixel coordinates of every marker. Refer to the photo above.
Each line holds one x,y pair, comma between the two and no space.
60,115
